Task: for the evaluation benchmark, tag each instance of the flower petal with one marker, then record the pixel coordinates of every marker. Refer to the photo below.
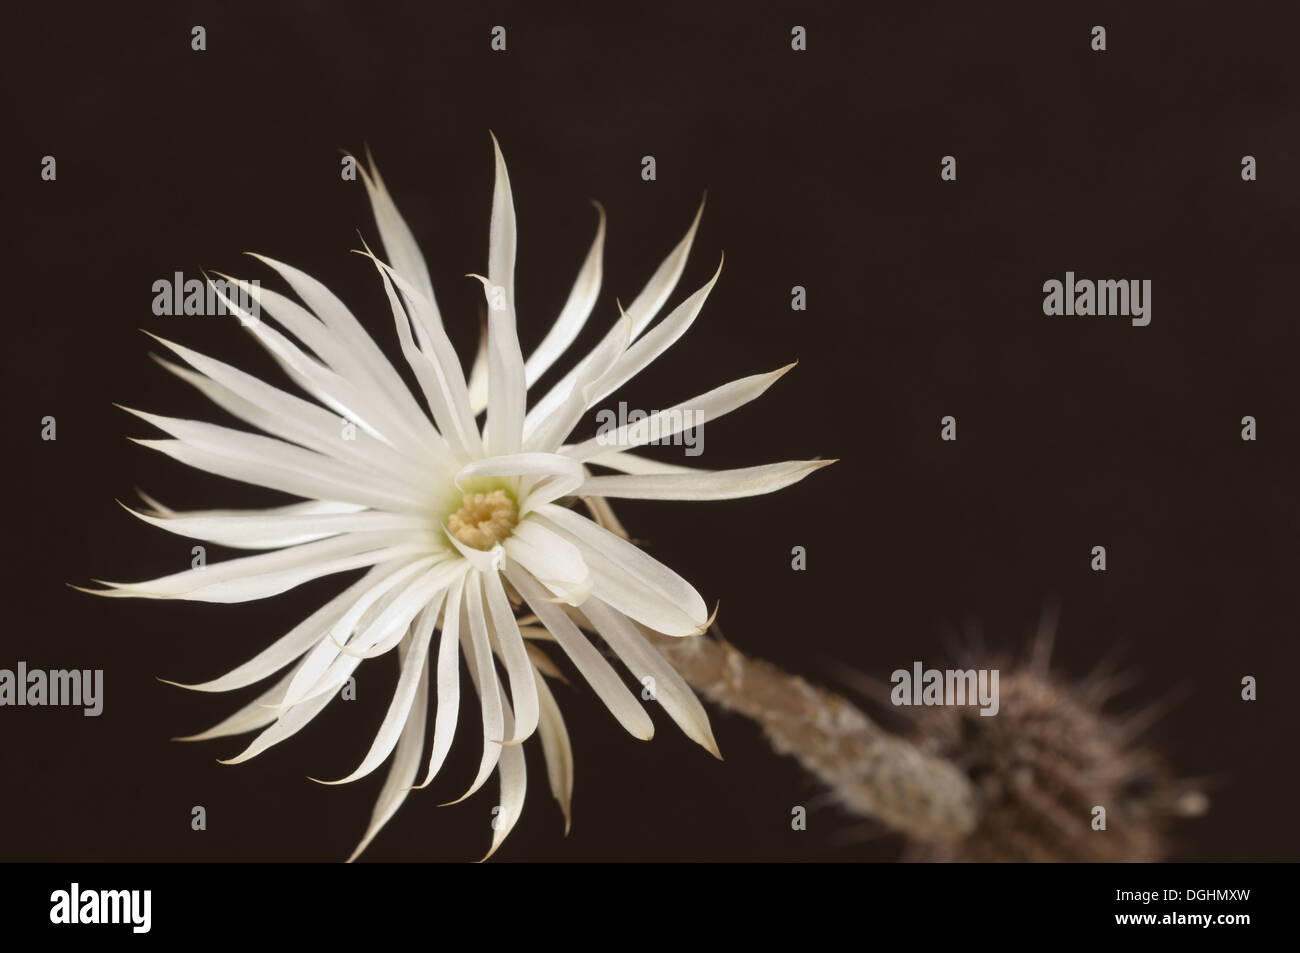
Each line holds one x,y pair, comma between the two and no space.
506,389
268,574
586,289
298,640
290,474
305,508
290,722
483,671
448,680
382,635
642,311
436,368
589,662
704,484
258,713
319,670
361,349
551,559
550,432
627,462
643,660
399,244
405,764
328,387
413,672
330,475
655,294
338,379
514,786
510,646
666,333
632,580
287,416
695,412
258,531
557,750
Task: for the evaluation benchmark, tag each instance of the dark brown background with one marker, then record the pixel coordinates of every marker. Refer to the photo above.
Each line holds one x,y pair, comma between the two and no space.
822,170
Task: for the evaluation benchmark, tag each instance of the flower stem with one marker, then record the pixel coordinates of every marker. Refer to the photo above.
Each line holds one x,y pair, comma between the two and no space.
872,771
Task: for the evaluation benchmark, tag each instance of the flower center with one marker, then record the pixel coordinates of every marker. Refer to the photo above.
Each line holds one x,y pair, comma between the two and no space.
484,519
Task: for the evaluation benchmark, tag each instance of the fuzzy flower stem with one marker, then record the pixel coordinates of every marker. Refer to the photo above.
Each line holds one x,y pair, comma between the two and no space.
872,771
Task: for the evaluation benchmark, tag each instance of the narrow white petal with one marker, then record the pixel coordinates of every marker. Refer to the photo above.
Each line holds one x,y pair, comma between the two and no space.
298,640
309,426
339,379
483,670
448,680
664,334
436,369
551,559
277,455
338,669
696,412
589,662
405,764
514,785
359,345
325,385
506,388
643,660
290,722
704,484
675,607
434,342
267,574
442,440
502,235
655,294
642,311
627,462
586,289
510,645
383,634
384,628
305,508
399,709
478,373
316,674
550,432
288,474
258,713
629,596
557,750
335,351
268,532
399,244
285,415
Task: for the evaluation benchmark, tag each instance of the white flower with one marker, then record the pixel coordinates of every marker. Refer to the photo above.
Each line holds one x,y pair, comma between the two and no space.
455,525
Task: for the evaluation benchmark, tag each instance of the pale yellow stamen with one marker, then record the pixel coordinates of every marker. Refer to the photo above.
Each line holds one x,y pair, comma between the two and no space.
484,519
